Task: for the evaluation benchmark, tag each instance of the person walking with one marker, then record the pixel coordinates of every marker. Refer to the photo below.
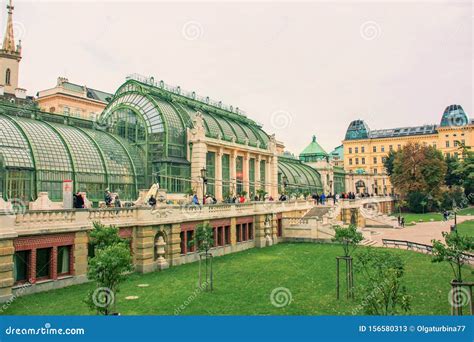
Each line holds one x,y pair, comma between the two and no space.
403,222
399,220
107,198
117,202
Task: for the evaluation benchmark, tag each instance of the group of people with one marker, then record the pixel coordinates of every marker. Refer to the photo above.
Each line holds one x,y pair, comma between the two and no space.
401,221
323,198
108,199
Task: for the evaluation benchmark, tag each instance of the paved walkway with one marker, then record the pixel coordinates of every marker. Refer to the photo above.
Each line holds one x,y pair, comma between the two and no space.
421,232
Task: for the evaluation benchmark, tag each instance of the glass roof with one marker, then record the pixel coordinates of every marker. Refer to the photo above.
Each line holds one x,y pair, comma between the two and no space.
178,112
13,145
299,175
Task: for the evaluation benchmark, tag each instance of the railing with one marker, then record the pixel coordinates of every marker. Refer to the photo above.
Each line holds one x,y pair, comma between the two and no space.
160,214
419,247
189,94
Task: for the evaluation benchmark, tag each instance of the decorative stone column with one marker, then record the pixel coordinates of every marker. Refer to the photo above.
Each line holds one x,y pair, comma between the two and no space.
259,224
233,172
233,229
246,171
257,173
6,269
274,176
161,262
143,247
218,181
80,254
174,244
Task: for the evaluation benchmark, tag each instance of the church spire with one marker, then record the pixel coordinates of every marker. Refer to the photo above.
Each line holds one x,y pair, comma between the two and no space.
9,40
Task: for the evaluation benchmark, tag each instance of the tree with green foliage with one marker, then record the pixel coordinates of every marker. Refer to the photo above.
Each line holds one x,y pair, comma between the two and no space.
203,240
453,174
453,251
419,169
102,236
383,292
388,163
348,237
108,267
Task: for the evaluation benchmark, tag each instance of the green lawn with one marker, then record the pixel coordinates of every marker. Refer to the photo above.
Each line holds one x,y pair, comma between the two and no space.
427,217
244,282
466,211
466,228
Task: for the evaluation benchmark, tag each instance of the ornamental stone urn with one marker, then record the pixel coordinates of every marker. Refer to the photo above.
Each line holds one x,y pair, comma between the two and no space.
161,262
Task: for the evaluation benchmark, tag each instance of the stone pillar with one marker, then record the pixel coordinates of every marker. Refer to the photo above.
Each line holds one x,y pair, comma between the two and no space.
198,161
6,269
233,229
259,225
80,254
144,244
218,181
174,244
274,176
257,173
246,171
233,172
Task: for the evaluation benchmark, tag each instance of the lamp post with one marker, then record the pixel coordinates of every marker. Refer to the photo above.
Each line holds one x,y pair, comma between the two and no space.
204,182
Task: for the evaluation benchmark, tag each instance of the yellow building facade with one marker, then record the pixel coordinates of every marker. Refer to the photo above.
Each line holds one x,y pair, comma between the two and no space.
365,150
74,100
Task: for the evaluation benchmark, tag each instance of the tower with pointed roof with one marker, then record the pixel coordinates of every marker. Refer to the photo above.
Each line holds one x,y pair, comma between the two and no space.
10,56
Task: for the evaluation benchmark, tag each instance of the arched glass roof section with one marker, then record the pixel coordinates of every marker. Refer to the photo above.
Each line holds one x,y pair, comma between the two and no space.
300,177
37,155
357,129
14,147
178,110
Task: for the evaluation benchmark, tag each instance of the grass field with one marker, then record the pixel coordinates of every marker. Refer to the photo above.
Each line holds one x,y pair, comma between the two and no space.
466,228
244,282
427,217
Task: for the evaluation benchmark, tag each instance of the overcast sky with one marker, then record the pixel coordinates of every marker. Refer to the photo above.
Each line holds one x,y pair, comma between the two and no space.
297,68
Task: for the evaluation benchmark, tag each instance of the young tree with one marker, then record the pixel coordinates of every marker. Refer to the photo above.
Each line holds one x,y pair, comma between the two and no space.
452,251
108,269
382,290
108,266
348,237
453,174
203,241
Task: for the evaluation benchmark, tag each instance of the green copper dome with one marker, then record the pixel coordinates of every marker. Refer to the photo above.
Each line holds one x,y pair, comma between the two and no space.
313,152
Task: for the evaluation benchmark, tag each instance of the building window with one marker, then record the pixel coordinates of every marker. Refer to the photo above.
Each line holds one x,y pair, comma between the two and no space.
463,142
64,258
7,77
21,265
238,233
363,161
390,148
447,143
375,171
350,149
350,161
279,228
375,160
382,148
434,145
455,143
357,161
362,149
66,110
250,230
456,155
384,159
43,263
374,148
356,150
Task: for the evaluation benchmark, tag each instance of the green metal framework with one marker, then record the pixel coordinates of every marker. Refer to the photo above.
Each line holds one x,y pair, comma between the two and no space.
301,178
155,117
37,155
